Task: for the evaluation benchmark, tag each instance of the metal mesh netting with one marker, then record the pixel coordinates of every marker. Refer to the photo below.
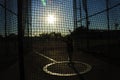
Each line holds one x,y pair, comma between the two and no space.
53,21
57,37
51,16
96,11
8,17
8,38
103,24
8,28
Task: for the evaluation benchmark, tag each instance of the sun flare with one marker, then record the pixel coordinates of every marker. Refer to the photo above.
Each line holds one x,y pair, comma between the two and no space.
51,19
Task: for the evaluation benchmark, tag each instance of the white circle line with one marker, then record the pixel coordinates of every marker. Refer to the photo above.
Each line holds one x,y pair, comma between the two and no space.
45,68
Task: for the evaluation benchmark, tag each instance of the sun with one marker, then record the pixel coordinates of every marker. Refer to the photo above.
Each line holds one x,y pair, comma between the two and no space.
51,19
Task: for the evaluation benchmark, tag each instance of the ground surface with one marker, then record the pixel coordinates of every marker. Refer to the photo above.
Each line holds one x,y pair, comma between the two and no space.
56,51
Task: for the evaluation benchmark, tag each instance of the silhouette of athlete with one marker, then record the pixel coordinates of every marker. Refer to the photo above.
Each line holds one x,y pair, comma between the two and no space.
70,49
69,43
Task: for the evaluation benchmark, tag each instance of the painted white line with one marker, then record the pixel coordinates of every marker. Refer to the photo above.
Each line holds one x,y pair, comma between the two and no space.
86,68
46,57
45,68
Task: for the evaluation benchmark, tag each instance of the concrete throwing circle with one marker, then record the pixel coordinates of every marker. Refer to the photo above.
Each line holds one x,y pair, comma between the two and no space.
62,69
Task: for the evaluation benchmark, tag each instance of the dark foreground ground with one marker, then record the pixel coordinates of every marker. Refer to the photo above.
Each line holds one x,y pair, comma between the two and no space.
45,54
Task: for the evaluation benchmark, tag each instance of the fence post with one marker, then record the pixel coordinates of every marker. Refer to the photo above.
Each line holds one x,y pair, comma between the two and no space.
108,25
75,14
20,40
5,19
85,7
80,8
107,8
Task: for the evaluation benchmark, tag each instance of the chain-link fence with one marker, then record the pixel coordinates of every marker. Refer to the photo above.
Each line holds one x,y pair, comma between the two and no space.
8,33
9,39
56,32
101,35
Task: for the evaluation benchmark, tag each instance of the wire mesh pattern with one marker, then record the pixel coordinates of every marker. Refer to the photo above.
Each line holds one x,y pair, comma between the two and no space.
93,25
102,22
97,13
8,33
8,17
8,25
55,16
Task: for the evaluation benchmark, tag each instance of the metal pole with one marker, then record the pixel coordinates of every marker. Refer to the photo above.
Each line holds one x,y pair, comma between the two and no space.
72,41
20,40
6,40
80,12
75,14
108,26
107,8
85,7
87,21
5,19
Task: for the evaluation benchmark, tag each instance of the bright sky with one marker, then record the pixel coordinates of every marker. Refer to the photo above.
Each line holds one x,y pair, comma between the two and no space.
55,16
